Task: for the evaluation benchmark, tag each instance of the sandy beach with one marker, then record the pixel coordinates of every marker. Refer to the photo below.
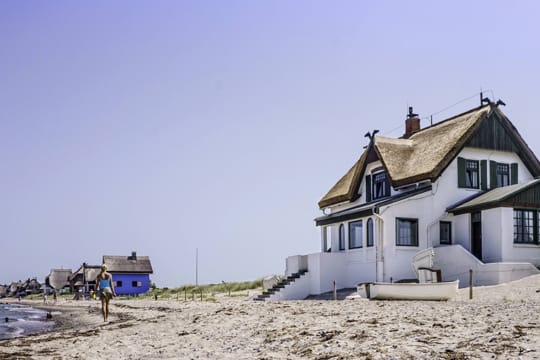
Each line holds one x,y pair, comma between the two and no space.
501,322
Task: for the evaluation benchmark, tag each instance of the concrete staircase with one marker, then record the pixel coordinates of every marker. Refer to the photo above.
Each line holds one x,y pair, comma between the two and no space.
267,294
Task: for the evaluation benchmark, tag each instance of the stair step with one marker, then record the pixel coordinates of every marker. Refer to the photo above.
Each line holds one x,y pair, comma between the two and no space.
280,285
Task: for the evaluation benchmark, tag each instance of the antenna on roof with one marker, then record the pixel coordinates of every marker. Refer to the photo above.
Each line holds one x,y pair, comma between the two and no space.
500,102
411,114
484,99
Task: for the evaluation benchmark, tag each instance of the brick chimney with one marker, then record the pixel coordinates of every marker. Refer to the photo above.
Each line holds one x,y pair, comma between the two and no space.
412,123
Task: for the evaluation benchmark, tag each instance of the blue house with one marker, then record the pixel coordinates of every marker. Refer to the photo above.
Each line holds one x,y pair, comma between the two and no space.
131,274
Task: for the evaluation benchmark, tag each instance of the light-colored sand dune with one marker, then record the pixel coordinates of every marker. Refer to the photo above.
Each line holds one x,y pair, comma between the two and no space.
501,322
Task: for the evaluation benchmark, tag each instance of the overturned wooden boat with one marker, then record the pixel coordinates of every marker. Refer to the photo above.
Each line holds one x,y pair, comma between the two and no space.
438,291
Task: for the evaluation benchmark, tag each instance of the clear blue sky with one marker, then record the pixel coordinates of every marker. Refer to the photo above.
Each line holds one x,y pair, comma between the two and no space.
165,126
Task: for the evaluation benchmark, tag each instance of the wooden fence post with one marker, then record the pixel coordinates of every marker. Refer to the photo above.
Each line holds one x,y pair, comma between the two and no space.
470,284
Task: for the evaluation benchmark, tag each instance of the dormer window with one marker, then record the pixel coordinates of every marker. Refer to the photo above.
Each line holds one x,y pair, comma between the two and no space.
381,187
377,186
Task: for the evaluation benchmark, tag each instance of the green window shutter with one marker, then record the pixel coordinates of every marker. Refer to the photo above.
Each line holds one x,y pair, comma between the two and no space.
483,174
387,187
461,173
492,174
513,173
368,188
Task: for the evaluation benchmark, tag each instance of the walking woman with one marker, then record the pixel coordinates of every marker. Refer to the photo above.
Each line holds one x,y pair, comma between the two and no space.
106,291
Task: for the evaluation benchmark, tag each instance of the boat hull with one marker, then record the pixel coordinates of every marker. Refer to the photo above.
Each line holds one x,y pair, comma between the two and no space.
441,291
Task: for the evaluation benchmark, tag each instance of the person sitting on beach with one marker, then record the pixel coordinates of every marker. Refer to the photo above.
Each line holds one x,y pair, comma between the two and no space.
106,291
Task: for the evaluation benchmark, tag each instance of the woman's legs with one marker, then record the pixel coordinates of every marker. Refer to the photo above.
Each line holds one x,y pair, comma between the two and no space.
106,313
104,304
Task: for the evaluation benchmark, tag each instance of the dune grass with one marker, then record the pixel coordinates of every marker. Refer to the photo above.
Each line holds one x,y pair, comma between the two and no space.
207,292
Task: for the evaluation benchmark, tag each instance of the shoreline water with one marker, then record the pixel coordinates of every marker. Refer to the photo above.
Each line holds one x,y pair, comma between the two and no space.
500,322
19,319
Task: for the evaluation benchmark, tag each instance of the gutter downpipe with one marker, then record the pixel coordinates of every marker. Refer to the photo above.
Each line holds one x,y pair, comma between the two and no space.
379,249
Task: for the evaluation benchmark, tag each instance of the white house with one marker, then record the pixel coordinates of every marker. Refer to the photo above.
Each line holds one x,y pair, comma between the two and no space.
464,191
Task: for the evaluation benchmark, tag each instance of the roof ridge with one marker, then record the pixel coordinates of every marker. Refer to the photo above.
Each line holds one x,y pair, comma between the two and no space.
451,118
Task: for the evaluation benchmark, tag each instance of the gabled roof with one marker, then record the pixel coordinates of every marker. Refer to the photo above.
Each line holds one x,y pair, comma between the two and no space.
427,152
128,264
503,196
91,272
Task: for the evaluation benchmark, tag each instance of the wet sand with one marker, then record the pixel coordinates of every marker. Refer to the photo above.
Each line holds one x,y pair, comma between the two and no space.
501,322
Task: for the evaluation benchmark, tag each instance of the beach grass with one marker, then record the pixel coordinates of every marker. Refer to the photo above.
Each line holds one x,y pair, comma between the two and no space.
206,292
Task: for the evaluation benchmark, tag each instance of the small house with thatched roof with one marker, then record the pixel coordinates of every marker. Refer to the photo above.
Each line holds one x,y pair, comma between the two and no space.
15,289
31,286
460,194
3,291
84,278
131,274
58,279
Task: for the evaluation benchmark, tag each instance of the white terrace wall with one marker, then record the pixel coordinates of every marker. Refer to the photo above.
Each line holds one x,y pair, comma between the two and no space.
347,269
455,262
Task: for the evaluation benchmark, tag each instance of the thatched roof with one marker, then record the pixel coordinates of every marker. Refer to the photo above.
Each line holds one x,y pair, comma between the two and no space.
425,154
91,272
343,190
422,155
128,264
58,278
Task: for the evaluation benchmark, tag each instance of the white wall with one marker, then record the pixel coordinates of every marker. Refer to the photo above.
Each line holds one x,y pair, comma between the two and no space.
492,234
455,262
462,230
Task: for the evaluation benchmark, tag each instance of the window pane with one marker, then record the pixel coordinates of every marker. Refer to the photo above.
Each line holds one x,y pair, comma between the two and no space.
445,232
471,174
524,226
370,232
407,232
341,237
503,175
381,186
355,234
